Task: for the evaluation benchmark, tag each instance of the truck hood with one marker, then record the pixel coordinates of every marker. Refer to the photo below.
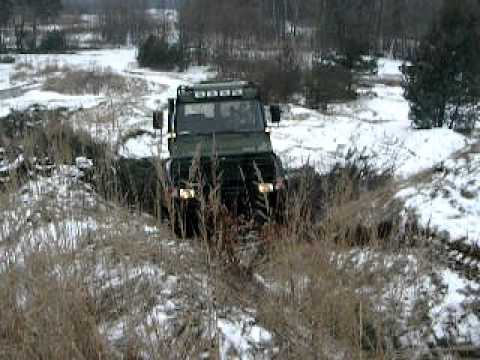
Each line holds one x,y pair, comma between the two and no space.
221,144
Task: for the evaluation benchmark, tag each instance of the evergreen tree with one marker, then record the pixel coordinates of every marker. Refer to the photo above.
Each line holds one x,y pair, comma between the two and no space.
156,52
443,84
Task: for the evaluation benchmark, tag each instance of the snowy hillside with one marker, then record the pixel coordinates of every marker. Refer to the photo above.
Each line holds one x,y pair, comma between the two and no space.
437,173
62,217
448,199
376,124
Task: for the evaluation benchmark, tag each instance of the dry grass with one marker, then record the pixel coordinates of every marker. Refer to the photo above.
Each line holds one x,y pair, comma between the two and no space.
85,278
96,81
26,69
331,285
323,288
330,279
69,80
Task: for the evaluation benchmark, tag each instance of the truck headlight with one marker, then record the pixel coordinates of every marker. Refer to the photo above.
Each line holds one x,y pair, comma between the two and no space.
265,188
186,194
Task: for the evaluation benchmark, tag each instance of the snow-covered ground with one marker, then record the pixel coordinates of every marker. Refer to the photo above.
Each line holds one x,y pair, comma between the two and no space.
376,124
112,249
121,61
448,199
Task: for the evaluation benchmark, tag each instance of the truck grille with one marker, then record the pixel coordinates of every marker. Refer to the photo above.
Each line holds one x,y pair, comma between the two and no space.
235,173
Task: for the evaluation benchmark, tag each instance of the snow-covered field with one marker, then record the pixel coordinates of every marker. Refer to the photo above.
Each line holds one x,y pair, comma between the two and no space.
376,124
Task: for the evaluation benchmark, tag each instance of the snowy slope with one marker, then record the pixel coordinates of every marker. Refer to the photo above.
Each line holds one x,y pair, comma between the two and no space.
123,255
121,61
379,125
448,200
376,124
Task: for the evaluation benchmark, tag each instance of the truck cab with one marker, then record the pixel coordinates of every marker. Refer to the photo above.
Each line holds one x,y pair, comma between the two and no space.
218,139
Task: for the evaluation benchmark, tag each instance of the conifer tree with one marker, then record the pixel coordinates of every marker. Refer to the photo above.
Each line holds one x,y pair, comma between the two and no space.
443,84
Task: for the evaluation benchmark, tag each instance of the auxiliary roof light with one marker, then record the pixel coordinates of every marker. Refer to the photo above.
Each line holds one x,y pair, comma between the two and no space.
237,92
225,93
200,94
212,93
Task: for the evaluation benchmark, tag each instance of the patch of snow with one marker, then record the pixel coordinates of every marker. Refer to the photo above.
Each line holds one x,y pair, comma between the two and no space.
450,201
51,100
141,147
241,338
378,125
83,163
39,217
5,71
389,68
454,316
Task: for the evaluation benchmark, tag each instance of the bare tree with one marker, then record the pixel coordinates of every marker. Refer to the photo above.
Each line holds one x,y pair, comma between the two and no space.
123,21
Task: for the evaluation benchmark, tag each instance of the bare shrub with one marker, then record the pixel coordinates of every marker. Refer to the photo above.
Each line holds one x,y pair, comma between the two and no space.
327,83
276,82
19,75
57,319
96,81
50,68
65,79
329,275
7,59
26,69
24,65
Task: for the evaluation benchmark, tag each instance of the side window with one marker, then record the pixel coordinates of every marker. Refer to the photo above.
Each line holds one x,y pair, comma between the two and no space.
229,109
202,110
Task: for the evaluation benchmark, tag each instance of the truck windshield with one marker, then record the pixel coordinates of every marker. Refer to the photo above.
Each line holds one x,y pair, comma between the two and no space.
218,117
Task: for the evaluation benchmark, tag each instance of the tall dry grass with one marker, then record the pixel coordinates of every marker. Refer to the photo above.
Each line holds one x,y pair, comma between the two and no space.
84,272
71,80
332,280
81,274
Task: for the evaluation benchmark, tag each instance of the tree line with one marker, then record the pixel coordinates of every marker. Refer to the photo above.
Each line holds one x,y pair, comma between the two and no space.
371,26
331,38
25,17
117,21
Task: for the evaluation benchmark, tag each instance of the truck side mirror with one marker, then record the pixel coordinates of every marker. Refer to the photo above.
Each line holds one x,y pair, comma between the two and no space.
158,120
275,113
171,113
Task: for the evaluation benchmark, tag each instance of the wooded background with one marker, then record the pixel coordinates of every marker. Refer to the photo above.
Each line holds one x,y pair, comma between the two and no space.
392,27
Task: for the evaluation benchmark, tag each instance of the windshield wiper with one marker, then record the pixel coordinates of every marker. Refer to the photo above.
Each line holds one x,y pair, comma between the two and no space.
220,132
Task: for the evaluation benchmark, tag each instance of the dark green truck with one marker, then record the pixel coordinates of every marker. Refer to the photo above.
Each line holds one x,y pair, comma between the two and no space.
219,139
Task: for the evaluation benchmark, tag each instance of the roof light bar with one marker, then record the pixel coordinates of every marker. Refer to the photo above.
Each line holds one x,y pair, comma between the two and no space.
211,93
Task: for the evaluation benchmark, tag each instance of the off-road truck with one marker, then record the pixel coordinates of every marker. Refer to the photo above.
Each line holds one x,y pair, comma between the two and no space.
219,141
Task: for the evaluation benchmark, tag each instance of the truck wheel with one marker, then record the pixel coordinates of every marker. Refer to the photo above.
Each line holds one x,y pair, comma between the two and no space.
262,211
280,208
185,221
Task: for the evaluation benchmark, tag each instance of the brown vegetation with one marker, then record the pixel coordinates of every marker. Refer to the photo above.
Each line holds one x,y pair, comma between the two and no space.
314,283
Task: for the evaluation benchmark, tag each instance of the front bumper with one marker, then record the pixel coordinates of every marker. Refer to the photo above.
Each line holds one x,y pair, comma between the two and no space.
239,202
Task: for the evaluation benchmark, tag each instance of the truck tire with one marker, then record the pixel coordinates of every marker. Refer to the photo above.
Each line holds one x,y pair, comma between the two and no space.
185,221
